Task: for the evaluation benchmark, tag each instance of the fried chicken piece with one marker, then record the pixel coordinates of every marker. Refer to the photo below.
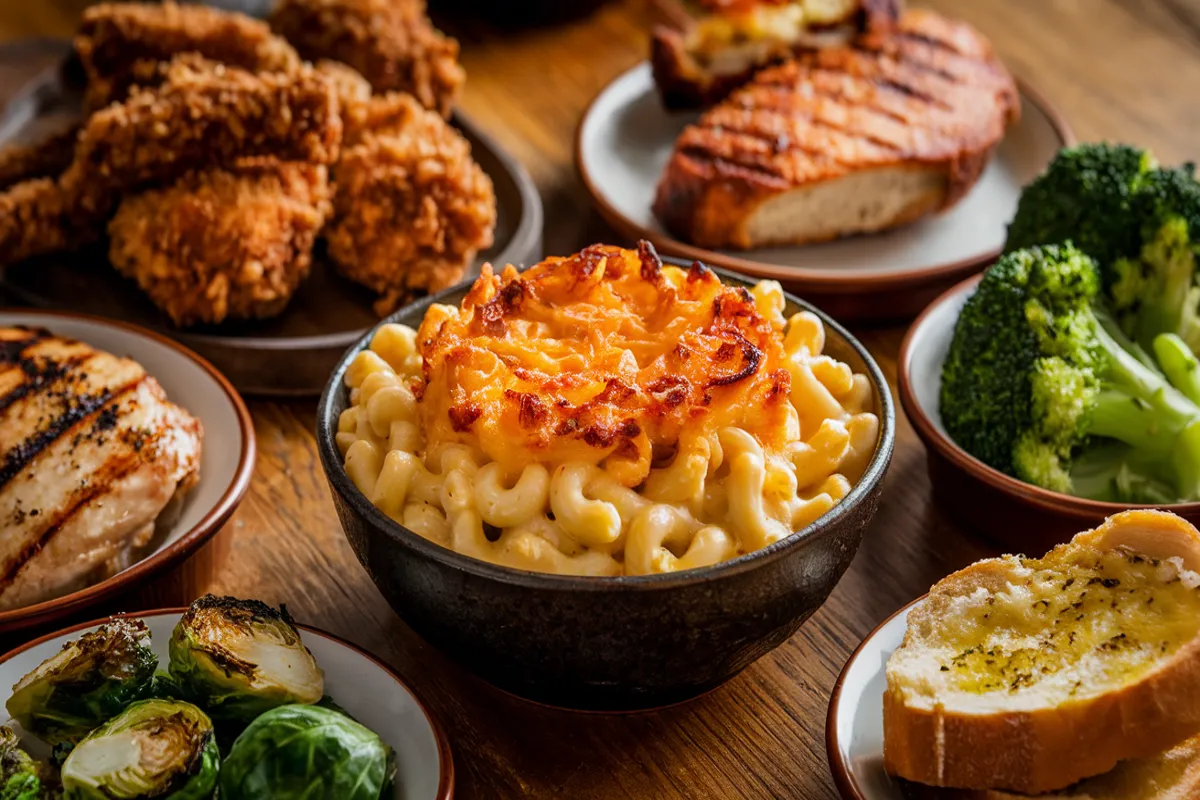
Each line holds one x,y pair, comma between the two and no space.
353,91
46,159
36,218
411,207
114,37
223,244
391,42
202,117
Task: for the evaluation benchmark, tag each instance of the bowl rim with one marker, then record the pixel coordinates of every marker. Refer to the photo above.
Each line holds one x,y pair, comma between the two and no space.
941,443
445,790
340,481
191,540
828,281
843,777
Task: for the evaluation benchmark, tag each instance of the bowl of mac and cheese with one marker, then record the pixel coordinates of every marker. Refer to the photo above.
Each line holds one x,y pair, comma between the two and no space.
606,482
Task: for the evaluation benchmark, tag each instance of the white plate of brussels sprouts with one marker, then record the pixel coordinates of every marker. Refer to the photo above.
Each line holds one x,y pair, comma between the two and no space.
227,698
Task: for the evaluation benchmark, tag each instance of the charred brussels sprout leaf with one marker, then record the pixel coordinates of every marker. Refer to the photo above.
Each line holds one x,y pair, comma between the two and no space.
239,658
154,748
20,775
302,751
87,682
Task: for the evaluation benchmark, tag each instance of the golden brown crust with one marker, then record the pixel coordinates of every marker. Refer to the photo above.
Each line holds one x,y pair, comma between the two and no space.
114,37
222,244
36,218
210,116
930,95
412,207
46,159
684,80
1173,775
1050,748
391,42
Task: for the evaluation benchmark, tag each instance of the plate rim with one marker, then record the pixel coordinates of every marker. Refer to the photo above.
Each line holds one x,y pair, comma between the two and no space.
843,778
192,539
445,790
803,278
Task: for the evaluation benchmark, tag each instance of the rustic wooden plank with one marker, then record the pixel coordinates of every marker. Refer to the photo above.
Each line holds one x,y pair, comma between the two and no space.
1119,69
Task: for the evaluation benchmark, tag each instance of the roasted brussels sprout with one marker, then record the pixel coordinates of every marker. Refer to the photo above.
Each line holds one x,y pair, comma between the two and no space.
87,682
239,658
302,751
20,775
154,748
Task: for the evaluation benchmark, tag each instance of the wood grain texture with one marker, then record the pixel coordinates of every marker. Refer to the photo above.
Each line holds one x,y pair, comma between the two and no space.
1119,69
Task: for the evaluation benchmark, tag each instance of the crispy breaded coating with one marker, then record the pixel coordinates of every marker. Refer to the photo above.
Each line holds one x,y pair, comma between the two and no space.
198,118
35,218
113,37
391,42
46,159
223,244
353,91
411,207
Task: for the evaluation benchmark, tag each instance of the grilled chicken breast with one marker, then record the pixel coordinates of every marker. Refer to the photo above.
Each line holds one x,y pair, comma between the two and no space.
841,141
700,59
93,458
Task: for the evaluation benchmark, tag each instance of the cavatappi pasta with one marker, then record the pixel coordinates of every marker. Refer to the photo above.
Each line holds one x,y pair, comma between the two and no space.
604,414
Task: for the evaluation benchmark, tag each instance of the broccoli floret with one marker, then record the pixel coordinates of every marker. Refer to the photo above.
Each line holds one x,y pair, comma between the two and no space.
1033,379
1154,291
1085,197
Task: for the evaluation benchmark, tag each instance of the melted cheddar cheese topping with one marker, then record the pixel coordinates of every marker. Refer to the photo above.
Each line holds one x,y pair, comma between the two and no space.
606,356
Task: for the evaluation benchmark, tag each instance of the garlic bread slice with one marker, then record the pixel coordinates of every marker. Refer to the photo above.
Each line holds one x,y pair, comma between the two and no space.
1029,675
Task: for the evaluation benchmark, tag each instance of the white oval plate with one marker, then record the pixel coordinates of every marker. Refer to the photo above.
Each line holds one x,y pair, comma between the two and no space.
226,463
854,729
625,141
364,687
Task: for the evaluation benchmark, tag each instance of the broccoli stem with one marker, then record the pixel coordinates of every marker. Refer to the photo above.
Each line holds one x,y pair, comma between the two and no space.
1137,405
1113,473
1179,364
1186,462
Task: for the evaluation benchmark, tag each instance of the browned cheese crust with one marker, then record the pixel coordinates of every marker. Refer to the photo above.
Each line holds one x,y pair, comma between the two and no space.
412,208
391,42
222,244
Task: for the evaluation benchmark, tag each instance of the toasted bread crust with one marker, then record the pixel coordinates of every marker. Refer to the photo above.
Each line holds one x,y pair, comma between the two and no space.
1051,748
684,83
930,96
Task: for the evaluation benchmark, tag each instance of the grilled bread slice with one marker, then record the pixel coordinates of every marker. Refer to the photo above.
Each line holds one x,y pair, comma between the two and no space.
700,59
93,457
1174,775
1027,675
842,141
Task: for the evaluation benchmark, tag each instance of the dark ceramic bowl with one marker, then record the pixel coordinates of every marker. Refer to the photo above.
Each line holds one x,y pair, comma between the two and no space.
608,643
1016,515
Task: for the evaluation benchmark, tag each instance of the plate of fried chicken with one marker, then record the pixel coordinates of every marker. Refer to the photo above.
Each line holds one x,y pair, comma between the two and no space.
261,190
862,153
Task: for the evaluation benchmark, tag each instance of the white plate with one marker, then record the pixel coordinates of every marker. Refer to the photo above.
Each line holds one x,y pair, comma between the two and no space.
226,462
854,729
625,141
358,683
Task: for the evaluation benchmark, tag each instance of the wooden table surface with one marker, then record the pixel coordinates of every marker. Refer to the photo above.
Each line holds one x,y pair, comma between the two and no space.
1118,69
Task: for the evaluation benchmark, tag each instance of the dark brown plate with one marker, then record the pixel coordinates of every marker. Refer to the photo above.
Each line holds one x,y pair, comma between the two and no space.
291,354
